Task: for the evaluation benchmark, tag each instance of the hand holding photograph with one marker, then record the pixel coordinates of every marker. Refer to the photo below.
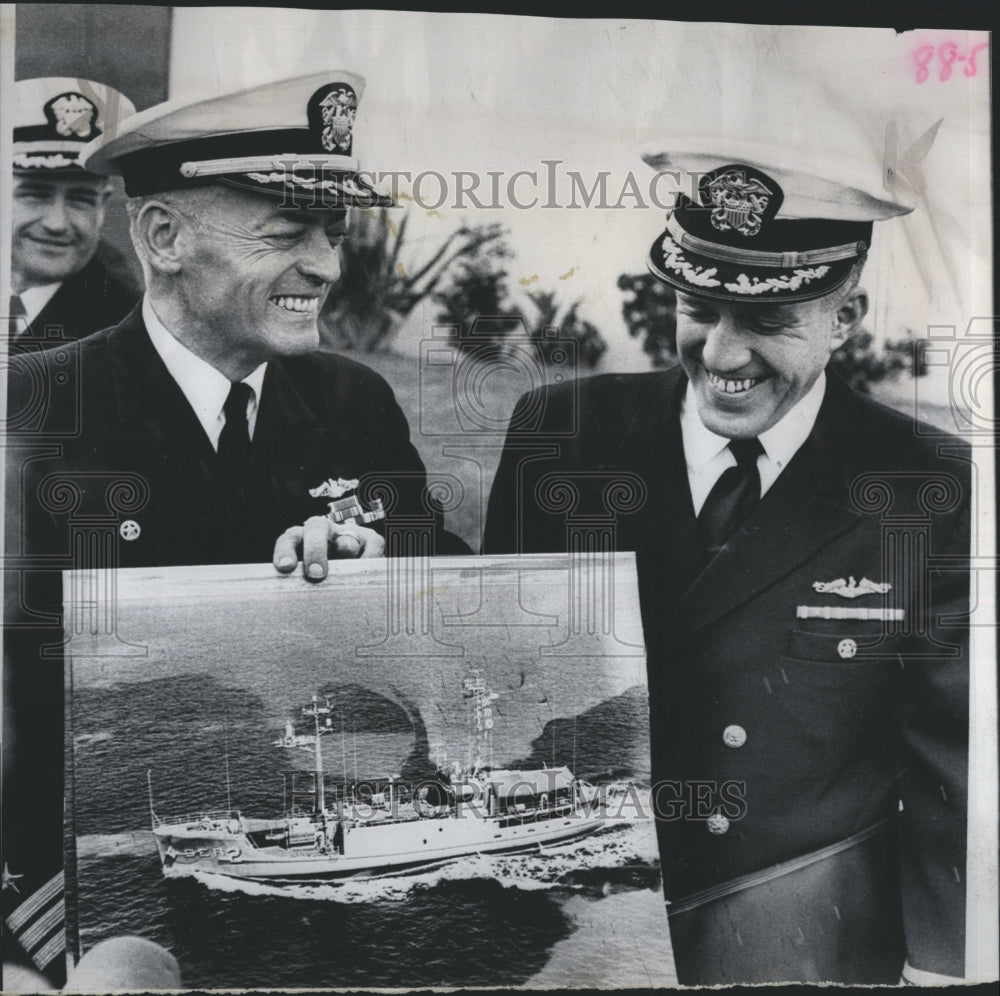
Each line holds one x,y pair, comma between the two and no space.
497,500
353,818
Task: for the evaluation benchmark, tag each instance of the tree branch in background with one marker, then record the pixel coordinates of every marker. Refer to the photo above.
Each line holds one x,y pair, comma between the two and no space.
650,313
476,302
376,292
466,276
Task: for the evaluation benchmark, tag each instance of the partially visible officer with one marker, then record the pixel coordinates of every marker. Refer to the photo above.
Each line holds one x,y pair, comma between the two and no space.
62,289
802,558
204,425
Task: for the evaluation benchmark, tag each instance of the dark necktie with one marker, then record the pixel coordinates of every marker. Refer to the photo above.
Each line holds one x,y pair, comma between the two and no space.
234,440
17,320
732,498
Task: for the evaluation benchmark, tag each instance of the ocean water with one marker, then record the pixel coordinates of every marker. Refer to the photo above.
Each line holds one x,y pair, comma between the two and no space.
208,697
481,921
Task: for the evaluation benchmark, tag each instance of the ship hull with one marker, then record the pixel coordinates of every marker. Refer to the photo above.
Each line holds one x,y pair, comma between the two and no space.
368,851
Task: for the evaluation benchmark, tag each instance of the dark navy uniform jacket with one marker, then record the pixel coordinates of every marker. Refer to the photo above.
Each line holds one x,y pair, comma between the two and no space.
103,445
813,815
90,300
101,429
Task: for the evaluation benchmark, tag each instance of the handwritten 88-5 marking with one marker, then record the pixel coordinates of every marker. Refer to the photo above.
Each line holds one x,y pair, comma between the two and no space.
948,54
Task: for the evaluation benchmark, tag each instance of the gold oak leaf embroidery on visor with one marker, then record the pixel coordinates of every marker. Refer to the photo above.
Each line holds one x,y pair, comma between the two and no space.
793,281
697,275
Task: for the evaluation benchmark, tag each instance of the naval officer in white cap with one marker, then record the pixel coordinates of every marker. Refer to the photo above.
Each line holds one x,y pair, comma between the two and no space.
212,391
800,552
63,287
203,425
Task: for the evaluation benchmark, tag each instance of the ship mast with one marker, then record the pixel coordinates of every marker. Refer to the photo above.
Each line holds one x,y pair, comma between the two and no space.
315,711
229,794
480,719
149,783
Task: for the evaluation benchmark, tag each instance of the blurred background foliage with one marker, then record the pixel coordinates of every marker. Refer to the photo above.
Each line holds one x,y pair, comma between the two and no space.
467,281
377,291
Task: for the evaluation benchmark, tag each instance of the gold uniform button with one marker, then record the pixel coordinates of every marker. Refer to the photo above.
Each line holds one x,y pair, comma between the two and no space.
129,530
734,736
717,823
847,649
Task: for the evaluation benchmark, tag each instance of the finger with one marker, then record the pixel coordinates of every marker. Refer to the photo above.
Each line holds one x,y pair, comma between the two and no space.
348,539
369,543
315,542
373,544
351,540
286,550
345,544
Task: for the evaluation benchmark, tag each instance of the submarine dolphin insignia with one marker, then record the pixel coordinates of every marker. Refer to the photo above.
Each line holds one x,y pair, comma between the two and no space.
381,826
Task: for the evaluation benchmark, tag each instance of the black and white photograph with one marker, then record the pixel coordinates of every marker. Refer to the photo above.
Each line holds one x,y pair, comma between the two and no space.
284,804
497,499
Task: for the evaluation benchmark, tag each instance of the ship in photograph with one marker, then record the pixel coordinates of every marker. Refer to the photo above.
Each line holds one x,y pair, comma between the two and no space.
381,826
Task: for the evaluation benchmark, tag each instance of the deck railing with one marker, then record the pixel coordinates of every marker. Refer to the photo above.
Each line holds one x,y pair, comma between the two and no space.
218,816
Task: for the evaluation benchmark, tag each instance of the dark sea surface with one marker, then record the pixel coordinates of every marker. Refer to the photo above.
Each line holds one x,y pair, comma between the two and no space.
195,703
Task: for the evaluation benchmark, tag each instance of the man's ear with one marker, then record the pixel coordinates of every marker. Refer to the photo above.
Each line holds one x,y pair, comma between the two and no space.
102,204
159,228
848,318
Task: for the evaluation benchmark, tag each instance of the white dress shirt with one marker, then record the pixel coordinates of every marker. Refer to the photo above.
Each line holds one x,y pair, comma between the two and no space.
708,455
205,388
35,298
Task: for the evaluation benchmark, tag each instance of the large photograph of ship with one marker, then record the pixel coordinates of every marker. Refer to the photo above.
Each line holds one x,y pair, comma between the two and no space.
273,784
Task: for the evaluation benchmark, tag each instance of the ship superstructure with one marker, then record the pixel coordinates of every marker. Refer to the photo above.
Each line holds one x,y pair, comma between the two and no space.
382,825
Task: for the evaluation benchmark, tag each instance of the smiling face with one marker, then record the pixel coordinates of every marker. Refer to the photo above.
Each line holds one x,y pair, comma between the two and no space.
750,364
252,277
55,226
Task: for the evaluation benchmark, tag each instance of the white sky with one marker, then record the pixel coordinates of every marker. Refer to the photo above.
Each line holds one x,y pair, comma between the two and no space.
483,92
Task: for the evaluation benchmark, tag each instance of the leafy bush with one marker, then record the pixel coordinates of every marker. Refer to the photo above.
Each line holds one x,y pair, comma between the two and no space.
650,313
476,303
377,291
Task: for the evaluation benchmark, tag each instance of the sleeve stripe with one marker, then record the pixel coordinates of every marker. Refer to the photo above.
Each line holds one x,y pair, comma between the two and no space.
32,937
31,905
54,947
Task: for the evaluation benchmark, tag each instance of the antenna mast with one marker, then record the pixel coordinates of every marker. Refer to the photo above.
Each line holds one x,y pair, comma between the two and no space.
315,711
574,746
149,784
481,698
229,800
343,748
